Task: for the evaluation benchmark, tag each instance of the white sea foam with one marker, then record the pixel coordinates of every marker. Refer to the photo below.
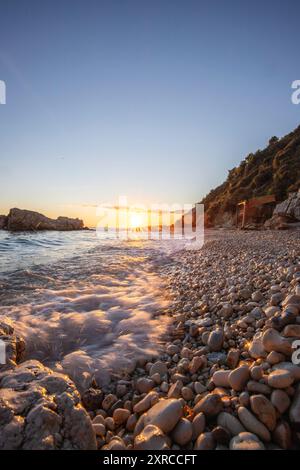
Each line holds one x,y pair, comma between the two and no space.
93,315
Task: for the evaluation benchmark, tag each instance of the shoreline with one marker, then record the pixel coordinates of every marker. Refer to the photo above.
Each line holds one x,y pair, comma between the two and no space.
213,386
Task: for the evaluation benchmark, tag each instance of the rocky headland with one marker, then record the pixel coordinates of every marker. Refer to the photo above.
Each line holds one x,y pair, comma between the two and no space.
25,220
226,378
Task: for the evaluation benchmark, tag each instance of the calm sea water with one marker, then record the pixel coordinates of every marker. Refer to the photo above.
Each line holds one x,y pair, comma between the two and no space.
85,305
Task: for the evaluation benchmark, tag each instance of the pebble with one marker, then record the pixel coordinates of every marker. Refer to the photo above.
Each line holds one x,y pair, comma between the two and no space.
120,416
210,405
280,378
151,438
187,393
165,414
280,400
205,442
239,377
215,340
158,368
231,423
182,433
144,385
233,358
175,389
252,424
198,425
282,435
220,378
146,402
246,441
273,341
264,410
195,364
99,429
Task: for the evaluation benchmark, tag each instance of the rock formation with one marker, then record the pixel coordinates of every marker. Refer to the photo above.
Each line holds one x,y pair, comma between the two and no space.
39,409
20,219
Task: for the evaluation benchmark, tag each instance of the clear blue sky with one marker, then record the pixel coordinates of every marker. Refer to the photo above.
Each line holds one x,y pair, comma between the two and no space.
152,99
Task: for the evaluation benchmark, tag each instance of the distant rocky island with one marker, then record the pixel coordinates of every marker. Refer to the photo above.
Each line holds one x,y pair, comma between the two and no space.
24,220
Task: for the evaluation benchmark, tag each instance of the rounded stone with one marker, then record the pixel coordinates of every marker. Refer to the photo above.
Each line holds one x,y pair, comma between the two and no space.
151,438
246,441
239,377
280,378
205,442
220,378
264,410
230,422
280,400
165,414
210,405
158,368
120,416
253,425
198,425
215,340
183,431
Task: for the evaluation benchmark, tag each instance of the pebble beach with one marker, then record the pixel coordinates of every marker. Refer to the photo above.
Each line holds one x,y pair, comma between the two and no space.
224,377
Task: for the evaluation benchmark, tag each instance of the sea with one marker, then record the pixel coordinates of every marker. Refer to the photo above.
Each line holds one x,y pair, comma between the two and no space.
87,304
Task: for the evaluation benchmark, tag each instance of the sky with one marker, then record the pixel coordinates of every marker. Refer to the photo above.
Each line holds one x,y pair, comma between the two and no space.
155,100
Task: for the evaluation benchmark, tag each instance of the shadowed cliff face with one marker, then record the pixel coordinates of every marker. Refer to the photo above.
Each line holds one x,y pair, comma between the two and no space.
274,170
20,219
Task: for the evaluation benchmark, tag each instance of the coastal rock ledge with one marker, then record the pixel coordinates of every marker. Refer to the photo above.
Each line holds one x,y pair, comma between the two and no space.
40,409
23,220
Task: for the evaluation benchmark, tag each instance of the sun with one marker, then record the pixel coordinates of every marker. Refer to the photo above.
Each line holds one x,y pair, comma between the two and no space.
135,220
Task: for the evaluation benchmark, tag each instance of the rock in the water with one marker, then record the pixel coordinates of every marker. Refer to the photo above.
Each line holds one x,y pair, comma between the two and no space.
45,413
246,441
19,220
165,414
183,431
253,425
151,438
264,410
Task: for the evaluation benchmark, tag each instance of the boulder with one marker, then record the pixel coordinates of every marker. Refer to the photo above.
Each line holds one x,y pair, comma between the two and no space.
21,219
3,222
151,438
40,409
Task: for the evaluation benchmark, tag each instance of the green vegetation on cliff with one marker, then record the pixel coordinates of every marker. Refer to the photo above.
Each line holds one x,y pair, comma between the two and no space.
274,170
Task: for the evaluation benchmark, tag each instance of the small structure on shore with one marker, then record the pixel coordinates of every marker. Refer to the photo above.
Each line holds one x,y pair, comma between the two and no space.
255,211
